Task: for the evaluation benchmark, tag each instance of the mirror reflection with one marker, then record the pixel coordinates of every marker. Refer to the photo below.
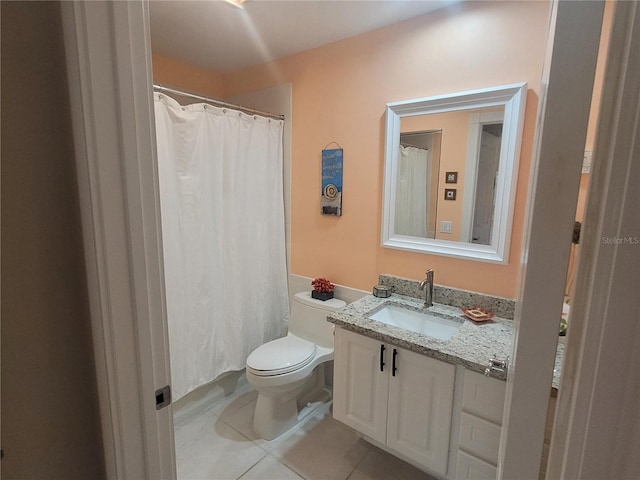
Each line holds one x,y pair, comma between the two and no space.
467,145
450,170
417,186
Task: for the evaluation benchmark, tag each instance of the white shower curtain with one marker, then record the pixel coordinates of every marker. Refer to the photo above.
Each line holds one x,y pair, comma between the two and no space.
223,231
412,197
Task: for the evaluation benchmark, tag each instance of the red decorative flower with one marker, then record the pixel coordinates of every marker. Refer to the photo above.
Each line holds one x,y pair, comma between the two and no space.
322,285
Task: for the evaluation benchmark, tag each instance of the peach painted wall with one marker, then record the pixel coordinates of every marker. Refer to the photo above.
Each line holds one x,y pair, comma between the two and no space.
171,73
595,102
599,77
339,94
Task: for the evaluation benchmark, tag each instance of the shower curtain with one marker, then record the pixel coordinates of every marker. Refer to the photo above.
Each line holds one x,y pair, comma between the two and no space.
412,204
222,213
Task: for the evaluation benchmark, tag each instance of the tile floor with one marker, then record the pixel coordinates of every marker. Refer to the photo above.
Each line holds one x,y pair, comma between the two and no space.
219,443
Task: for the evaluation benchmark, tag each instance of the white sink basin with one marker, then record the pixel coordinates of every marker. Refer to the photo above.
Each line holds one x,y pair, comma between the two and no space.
435,325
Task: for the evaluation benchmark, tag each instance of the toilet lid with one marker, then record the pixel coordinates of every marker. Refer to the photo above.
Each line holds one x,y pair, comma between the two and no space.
280,356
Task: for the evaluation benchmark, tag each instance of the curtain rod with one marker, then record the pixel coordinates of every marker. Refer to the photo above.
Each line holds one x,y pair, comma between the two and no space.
413,146
215,102
422,132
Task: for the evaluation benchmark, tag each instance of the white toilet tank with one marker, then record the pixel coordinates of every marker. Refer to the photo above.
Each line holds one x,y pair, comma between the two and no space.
309,318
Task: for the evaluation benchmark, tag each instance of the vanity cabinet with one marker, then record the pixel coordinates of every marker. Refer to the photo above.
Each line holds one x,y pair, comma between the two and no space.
480,427
396,397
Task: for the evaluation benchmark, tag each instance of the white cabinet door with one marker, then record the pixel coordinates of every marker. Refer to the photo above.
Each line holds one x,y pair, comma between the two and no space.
420,408
361,383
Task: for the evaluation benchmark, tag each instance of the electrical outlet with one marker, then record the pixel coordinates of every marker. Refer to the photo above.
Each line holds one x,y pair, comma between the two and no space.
445,226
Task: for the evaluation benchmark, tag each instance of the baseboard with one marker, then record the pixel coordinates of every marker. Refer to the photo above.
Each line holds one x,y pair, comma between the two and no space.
203,397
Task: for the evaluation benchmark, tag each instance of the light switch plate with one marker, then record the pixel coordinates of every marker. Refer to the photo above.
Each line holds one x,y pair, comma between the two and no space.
445,226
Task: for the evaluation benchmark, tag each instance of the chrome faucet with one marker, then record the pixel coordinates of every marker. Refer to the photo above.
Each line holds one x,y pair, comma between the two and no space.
427,286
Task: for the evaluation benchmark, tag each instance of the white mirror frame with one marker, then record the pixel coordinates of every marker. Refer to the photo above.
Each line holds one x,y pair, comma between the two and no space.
513,98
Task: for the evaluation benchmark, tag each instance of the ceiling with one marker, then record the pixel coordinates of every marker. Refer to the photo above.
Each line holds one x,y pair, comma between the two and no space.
218,36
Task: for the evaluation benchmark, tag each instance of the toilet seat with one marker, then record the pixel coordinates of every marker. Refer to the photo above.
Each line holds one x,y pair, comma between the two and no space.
281,356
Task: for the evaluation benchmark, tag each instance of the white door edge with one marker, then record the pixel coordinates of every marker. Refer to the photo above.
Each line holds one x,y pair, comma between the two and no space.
591,438
109,70
564,104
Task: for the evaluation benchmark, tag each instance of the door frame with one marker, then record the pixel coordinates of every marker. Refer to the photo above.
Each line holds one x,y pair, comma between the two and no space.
110,72
595,435
108,57
561,130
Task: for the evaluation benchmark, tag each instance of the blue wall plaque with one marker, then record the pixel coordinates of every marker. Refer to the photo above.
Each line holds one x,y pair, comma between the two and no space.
332,182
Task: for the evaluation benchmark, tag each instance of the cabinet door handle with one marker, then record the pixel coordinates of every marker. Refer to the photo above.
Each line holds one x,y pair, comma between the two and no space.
393,365
382,348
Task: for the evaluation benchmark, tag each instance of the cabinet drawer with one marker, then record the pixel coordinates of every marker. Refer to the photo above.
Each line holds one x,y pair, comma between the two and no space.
479,437
483,396
469,467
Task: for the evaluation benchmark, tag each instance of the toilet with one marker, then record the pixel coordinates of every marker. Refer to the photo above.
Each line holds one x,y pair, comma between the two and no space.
289,372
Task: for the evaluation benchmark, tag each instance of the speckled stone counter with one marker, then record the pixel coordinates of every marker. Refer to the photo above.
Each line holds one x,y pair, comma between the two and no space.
472,346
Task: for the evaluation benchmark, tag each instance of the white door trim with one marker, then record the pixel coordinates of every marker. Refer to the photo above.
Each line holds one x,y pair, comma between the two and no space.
476,121
109,69
597,410
565,100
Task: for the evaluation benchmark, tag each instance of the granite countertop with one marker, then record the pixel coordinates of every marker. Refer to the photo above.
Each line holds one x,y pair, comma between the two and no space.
472,346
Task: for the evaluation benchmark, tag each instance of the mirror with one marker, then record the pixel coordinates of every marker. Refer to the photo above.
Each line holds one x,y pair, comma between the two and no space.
451,166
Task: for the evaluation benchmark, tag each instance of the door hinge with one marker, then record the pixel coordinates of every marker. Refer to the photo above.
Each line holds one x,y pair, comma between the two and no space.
163,397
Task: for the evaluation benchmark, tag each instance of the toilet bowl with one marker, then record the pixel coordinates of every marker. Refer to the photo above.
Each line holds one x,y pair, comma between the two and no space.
287,371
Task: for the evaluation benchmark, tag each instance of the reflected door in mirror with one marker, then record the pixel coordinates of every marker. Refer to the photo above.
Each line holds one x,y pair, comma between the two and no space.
484,202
